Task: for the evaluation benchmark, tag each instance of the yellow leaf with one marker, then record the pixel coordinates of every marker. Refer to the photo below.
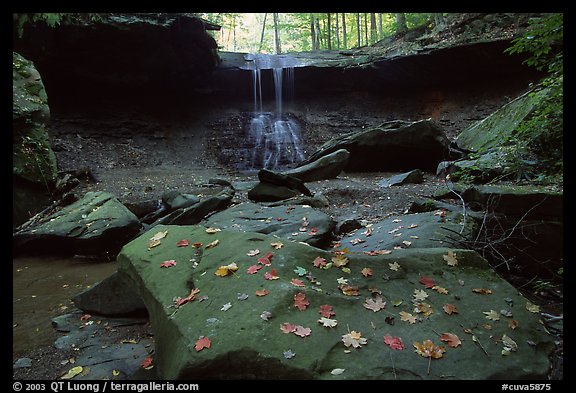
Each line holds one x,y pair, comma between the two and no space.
213,244
450,258
394,266
115,373
277,245
492,315
340,260
212,230
223,271
532,307
441,290
72,372
428,349
407,317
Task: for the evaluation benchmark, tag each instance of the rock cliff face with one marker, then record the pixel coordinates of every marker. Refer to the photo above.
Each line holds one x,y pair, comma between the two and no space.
122,55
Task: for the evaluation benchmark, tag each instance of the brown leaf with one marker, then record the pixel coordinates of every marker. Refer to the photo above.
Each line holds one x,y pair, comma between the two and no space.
482,291
340,260
349,290
428,349
512,324
450,258
451,339
375,304
450,309
407,317
367,272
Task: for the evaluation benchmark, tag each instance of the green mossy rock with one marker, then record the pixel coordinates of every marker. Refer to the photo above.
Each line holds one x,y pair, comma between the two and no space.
246,346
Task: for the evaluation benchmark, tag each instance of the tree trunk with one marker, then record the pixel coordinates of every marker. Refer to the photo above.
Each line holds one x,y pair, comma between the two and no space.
276,35
313,32
373,28
366,29
380,32
401,23
329,28
439,21
337,31
358,29
344,38
262,35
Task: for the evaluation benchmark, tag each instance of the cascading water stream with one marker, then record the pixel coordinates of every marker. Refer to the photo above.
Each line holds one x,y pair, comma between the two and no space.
276,136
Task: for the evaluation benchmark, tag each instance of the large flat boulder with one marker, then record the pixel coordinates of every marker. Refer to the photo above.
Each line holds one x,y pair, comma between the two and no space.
393,146
295,222
95,224
219,317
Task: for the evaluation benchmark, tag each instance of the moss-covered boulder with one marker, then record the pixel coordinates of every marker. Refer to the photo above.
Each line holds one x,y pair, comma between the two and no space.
496,129
215,315
95,224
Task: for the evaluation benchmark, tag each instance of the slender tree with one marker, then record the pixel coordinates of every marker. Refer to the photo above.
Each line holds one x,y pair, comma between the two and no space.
329,29
358,29
380,32
373,28
313,33
262,34
337,31
276,34
401,23
366,29
344,30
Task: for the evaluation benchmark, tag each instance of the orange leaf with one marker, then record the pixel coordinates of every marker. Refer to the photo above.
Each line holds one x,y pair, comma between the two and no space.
203,342
482,291
183,243
428,349
262,292
451,339
349,290
298,283
512,324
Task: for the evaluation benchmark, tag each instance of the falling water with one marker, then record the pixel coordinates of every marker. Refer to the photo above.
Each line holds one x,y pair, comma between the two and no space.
276,136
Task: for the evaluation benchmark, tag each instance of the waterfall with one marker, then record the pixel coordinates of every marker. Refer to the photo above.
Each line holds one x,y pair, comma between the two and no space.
275,136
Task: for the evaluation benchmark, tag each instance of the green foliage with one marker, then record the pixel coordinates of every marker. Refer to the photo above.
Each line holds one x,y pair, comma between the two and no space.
541,134
51,19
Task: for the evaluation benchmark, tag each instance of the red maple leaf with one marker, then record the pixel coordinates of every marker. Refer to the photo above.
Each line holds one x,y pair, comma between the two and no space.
298,283
264,261
272,275
427,282
326,311
146,362
319,262
203,342
253,269
183,243
300,301
262,292
287,327
394,342
169,263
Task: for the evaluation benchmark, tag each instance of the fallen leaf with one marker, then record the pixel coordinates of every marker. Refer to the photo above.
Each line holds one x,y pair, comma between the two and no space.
512,324
357,241
450,309
72,372
156,239
375,304
301,331
389,320
129,341
532,307
115,373
242,296
420,295
354,339
374,253
396,220
428,349
146,363
212,244
509,343
252,253
406,243
424,308
266,315
492,315
340,260
482,291
487,326
277,245
297,283
212,230
349,290
407,317
342,280
450,258
394,342
288,354
427,282
271,275
85,317
337,371
300,301
226,307
327,322
223,271
394,266
367,272
319,262
397,303
412,226
253,269
451,339
506,313
197,244
300,271
183,243
262,292
287,327
203,342
181,301
313,232
326,311
169,263
265,261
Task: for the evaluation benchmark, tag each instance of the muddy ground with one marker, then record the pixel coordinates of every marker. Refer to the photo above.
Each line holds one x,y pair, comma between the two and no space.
139,155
